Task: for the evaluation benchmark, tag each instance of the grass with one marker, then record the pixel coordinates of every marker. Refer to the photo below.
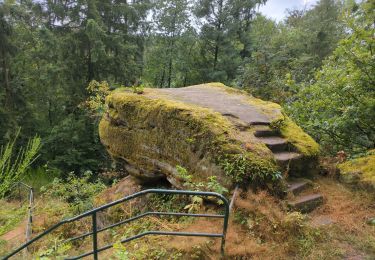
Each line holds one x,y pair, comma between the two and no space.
11,214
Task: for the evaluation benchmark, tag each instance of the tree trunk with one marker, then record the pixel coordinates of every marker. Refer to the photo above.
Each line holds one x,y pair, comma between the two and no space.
8,93
170,63
218,38
162,79
216,53
90,66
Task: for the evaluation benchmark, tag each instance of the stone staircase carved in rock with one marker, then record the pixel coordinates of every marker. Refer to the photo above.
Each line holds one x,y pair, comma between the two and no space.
299,194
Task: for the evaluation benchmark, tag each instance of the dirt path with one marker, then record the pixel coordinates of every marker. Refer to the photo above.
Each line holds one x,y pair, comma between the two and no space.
350,209
19,232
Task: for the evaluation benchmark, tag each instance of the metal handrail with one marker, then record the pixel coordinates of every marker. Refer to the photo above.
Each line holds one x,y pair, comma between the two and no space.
29,222
95,230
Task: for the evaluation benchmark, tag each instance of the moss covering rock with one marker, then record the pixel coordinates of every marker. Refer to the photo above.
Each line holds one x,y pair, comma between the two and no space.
205,130
360,171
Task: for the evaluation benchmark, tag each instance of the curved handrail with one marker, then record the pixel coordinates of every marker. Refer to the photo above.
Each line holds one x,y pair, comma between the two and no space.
94,232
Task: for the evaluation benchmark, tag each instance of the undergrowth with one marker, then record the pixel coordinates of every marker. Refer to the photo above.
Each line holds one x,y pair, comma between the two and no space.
78,192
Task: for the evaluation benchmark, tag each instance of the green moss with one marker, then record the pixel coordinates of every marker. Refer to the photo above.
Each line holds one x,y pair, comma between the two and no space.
304,143
237,166
268,108
229,90
360,171
142,107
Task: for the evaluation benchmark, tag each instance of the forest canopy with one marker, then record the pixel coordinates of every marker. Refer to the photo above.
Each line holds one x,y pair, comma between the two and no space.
318,63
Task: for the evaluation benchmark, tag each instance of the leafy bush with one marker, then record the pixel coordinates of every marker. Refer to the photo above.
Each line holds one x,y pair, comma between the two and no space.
96,101
78,192
212,185
13,165
339,109
215,186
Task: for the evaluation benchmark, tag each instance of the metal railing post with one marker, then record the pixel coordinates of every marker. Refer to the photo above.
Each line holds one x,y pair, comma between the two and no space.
19,194
225,227
94,236
29,229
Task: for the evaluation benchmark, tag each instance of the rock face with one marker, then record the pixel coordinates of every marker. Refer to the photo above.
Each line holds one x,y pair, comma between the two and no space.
190,134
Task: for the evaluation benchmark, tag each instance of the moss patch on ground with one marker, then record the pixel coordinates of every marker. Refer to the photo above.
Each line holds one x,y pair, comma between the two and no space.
360,171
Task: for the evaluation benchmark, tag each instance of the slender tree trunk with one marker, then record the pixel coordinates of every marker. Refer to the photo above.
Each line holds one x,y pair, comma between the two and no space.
186,69
162,78
170,72
170,64
8,94
218,37
50,113
171,47
216,53
90,66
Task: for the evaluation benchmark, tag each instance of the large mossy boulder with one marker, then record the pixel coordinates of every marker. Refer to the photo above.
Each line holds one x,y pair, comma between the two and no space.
197,137
360,171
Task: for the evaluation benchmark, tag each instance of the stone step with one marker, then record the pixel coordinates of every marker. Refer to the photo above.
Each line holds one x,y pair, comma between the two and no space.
265,131
285,157
297,186
275,143
256,123
306,203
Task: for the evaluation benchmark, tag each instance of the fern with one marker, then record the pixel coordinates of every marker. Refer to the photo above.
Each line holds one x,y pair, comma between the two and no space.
13,165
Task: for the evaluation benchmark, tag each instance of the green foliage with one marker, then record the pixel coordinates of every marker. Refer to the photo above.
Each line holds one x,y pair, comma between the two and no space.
183,174
96,101
14,164
166,202
211,185
241,169
195,205
224,36
74,145
171,23
291,50
338,109
57,251
142,251
215,186
78,192
138,89
40,176
121,251
46,65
